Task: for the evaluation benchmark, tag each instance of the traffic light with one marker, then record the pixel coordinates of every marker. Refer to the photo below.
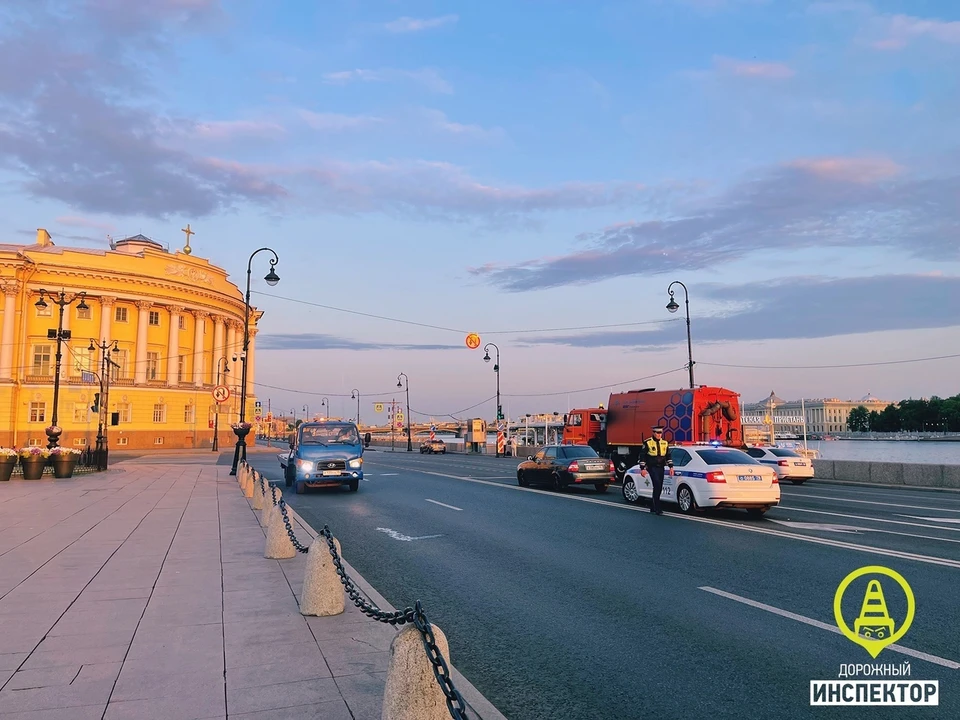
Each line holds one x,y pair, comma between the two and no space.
499,412
96,403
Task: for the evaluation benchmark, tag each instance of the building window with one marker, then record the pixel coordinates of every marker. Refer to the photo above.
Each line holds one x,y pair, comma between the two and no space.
121,358
84,313
155,317
182,322
34,442
188,414
81,442
122,441
120,315
153,365
159,413
123,409
41,360
80,412
181,368
82,360
38,412
158,441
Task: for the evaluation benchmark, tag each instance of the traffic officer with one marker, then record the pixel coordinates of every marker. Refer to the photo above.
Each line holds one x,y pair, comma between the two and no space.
655,457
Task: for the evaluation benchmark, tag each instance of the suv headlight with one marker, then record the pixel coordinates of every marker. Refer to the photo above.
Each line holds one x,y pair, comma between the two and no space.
305,465
356,463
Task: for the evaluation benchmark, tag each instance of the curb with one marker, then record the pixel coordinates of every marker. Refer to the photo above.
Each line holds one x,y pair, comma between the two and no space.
481,707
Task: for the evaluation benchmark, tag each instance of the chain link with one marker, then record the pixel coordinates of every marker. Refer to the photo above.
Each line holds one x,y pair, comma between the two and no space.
286,520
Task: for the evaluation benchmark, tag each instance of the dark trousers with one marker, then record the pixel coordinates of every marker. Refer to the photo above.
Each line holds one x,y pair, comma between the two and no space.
656,477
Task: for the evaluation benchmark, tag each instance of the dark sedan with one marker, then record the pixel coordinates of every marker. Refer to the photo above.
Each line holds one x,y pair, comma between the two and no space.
563,465
433,446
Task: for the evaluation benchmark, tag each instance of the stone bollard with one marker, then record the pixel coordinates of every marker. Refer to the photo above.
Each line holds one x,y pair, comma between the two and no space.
241,470
248,482
278,545
322,590
412,691
257,494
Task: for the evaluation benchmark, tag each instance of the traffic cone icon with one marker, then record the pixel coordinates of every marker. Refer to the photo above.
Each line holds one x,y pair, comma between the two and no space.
874,621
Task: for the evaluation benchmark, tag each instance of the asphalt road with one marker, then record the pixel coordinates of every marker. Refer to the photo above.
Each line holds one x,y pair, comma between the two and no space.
576,605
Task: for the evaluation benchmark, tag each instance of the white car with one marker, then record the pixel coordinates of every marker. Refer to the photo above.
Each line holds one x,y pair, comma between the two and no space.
788,464
709,477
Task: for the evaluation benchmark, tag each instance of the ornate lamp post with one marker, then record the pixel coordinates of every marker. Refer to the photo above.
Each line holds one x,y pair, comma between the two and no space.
355,395
406,383
673,307
241,429
325,404
55,431
306,411
216,415
496,370
103,406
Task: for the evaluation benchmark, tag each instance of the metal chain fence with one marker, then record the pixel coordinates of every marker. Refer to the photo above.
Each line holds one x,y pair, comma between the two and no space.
455,702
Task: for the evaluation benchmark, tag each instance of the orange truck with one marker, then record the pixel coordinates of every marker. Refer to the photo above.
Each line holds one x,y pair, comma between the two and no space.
691,415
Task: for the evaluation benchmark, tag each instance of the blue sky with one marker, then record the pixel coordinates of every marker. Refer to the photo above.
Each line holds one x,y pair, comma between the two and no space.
537,171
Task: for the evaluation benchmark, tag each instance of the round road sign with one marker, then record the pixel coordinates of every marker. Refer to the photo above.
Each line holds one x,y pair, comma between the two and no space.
221,393
473,341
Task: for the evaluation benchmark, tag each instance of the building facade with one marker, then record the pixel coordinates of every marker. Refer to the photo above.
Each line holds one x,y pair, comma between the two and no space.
822,416
176,324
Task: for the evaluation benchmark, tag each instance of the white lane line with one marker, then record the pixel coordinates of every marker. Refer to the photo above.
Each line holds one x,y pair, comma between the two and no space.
929,559
388,474
955,521
437,502
827,527
874,502
937,660
405,538
867,518
909,491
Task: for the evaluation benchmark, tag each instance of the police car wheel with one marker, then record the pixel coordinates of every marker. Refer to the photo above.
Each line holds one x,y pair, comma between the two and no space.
629,490
685,499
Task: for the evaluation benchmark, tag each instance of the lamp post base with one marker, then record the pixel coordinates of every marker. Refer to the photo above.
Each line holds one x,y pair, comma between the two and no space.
53,436
240,451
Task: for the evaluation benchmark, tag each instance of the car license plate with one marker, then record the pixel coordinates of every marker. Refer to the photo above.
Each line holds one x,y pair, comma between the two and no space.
749,478
595,466
801,463
331,472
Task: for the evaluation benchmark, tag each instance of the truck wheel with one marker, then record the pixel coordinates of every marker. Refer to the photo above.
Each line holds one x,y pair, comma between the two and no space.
301,488
354,485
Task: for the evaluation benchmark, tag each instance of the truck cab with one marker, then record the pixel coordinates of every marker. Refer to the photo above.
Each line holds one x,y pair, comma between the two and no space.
324,454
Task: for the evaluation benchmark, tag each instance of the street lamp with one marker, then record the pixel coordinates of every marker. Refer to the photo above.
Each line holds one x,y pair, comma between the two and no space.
325,404
54,431
406,382
102,406
496,370
216,414
673,307
355,395
272,279
306,411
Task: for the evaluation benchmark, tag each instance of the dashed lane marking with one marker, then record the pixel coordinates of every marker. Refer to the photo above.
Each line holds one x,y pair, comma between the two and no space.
437,502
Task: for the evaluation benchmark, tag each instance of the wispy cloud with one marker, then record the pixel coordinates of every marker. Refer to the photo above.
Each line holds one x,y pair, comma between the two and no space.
867,304
409,24
439,121
75,221
326,122
898,31
426,77
819,202
753,69
320,341
224,130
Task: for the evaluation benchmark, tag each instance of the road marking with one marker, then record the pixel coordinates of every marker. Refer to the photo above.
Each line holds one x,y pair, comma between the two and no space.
874,502
867,518
436,502
405,538
830,628
955,521
908,491
388,474
827,527
929,559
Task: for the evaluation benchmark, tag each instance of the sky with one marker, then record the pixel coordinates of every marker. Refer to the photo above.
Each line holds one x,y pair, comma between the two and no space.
536,171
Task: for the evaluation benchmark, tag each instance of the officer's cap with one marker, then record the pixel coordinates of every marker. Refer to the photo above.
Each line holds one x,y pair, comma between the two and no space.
657,428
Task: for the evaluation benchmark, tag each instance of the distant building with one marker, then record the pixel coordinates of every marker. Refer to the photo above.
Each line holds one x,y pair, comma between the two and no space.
173,316
823,415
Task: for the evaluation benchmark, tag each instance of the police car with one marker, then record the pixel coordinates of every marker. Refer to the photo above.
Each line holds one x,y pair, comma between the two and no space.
788,465
709,476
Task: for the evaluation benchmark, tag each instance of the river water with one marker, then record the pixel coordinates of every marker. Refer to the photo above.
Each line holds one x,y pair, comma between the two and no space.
901,451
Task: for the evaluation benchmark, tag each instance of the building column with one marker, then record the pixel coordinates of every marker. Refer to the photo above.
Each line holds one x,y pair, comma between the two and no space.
199,354
173,346
106,318
10,291
218,348
143,318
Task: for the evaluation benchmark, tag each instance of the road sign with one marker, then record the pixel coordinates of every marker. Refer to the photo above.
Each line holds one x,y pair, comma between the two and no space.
269,417
258,417
221,393
473,341
88,378
257,405
378,407
400,417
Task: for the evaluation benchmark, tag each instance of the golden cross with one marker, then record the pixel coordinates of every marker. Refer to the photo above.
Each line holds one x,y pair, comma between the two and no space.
188,232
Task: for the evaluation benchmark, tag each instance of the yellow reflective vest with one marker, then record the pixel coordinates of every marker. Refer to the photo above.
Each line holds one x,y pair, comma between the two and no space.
656,451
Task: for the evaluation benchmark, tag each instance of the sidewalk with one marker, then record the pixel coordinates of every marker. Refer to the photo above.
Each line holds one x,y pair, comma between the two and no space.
143,593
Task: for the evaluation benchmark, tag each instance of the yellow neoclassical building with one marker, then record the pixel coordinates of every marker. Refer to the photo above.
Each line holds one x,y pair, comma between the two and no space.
176,323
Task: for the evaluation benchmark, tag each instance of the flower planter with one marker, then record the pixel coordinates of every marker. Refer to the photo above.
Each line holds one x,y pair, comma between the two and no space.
63,465
33,467
241,432
7,464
